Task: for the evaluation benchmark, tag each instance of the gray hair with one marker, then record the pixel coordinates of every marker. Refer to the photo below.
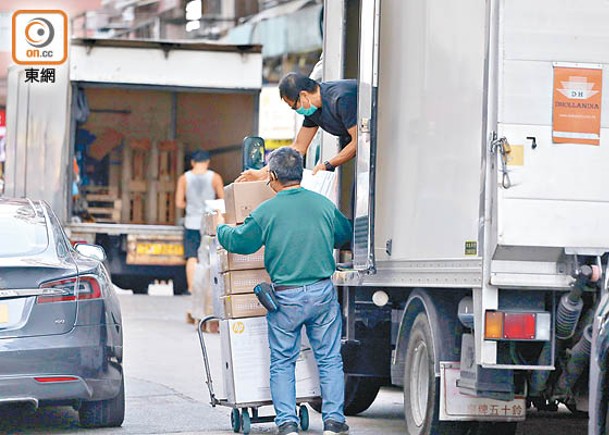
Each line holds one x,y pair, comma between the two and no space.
286,164
292,84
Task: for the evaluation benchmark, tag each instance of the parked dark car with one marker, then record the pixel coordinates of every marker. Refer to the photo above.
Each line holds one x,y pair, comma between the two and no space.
61,338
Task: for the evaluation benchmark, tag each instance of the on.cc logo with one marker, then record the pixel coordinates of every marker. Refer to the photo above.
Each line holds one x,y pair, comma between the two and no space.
40,37
39,32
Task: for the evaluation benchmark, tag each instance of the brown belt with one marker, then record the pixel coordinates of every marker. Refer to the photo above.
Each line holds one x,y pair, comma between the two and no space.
279,288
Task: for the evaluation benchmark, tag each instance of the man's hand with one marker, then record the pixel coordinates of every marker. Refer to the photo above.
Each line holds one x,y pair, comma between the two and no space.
319,167
252,175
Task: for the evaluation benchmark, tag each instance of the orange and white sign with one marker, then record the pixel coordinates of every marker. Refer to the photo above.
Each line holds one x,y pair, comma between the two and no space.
40,37
576,116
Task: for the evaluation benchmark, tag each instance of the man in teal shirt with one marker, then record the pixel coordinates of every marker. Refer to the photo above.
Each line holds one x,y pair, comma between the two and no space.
299,230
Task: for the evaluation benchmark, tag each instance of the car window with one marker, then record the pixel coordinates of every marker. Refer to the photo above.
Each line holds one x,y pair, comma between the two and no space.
23,230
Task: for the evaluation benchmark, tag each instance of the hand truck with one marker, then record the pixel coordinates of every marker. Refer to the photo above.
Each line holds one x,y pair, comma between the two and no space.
244,414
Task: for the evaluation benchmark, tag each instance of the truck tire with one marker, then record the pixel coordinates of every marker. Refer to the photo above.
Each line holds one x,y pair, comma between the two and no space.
360,392
422,387
104,413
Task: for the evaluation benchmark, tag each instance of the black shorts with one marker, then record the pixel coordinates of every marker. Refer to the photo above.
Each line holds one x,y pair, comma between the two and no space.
192,240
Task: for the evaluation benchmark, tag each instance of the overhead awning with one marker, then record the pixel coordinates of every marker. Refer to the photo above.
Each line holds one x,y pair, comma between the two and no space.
289,28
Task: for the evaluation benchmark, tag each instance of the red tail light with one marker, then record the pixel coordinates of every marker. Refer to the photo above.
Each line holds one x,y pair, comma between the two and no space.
519,326
50,379
76,288
88,288
508,325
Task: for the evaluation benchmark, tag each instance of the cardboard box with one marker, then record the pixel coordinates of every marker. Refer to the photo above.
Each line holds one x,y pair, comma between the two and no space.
242,198
230,261
210,222
217,279
244,305
246,363
243,281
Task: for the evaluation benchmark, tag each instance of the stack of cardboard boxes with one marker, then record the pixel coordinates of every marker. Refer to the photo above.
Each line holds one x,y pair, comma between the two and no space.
240,274
243,330
234,276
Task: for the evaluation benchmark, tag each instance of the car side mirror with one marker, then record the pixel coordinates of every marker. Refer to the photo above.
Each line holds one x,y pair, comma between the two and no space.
253,152
91,251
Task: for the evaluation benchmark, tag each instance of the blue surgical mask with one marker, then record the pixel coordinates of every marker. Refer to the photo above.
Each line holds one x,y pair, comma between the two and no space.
306,112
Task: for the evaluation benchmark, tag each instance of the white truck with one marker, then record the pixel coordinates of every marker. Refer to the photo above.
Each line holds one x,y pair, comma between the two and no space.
119,120
480,245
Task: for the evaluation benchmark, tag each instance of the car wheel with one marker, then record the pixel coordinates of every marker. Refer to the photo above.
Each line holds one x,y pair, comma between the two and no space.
421,387
104,413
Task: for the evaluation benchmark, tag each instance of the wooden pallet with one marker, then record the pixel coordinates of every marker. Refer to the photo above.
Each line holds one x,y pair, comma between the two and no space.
103,204
105,215
170,167
100,190
134,181
150,170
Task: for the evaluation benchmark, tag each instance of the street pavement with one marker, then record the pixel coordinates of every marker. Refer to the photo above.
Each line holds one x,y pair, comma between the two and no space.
166,390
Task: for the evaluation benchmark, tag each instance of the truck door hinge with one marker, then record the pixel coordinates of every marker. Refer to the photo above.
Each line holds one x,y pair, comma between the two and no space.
502,147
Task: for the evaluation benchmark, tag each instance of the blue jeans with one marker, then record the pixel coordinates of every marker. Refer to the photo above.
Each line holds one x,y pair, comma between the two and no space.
316,307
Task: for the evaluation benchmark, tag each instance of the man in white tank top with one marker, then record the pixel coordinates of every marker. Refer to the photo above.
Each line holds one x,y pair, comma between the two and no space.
194,188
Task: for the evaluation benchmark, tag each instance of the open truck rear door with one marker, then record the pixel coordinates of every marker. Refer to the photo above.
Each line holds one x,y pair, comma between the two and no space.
363,238
38,120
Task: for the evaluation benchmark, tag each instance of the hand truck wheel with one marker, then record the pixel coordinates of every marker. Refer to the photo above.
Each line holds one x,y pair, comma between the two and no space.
303,414
245,421
235,420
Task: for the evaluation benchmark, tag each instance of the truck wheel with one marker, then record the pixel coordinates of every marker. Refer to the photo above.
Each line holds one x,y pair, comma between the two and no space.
360,392
104,413
421,387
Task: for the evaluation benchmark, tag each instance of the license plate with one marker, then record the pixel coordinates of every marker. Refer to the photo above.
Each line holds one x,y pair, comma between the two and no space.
159,249
3,313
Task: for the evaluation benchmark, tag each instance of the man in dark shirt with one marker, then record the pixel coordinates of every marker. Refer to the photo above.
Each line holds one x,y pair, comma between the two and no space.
329,105
299,230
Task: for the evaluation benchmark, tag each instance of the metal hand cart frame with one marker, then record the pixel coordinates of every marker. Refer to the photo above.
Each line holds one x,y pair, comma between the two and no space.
241,419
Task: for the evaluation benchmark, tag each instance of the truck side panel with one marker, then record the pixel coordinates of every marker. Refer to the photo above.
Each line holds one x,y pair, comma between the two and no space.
558,195
37,120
